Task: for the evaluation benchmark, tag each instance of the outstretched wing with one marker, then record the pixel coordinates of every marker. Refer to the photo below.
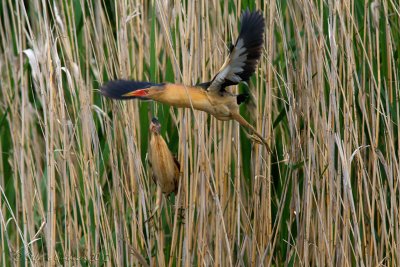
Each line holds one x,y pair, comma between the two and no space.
244,55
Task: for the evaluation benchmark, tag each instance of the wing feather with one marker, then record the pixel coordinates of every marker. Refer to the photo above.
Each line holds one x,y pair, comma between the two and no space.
244,56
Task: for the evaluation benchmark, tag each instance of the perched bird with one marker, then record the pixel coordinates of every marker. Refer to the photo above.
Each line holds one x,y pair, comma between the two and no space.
163,164
211,97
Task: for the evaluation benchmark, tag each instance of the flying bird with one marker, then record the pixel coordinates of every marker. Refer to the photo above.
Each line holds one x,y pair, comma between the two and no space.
213,96
164,165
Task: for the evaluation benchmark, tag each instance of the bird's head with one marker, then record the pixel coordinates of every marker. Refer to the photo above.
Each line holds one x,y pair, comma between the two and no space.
155,126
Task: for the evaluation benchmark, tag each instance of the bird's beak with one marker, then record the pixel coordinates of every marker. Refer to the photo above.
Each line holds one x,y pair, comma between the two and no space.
137,93
155,126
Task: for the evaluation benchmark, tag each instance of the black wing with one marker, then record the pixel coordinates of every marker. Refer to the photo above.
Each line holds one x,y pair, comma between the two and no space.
244,55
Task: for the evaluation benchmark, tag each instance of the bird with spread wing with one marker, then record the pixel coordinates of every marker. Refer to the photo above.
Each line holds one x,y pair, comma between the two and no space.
211,97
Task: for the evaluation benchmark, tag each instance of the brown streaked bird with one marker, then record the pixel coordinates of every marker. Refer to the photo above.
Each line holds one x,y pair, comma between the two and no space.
163,164
211,97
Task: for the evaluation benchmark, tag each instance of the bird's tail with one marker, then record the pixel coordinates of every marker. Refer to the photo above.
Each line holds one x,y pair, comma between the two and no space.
121,89
242,98
248,99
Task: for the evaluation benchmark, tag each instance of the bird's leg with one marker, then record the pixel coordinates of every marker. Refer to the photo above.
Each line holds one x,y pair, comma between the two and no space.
158,204
237,117
180,205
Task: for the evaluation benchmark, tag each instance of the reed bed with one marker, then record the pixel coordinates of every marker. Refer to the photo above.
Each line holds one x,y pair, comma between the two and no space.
75,186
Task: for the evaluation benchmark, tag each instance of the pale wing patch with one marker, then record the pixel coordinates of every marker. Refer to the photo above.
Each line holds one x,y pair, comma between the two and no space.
244,56
233,65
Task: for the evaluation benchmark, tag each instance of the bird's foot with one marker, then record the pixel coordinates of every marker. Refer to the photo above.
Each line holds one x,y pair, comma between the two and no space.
152,216
256,139
259,140
181,214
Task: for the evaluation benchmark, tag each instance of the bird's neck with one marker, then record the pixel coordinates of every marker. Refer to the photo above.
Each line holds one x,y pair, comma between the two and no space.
179,95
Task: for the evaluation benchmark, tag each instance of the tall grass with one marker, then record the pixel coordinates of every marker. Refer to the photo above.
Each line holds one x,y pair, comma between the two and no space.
74,182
